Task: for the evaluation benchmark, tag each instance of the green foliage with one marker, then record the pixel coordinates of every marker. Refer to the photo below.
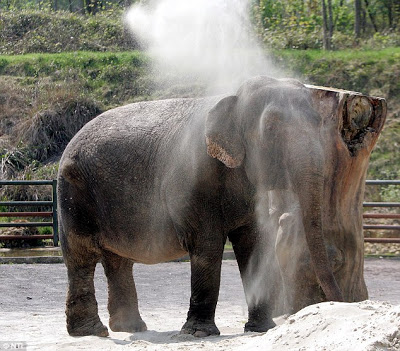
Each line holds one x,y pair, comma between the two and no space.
343,16
295,38
112,78
24,32
84,7
297,24
385,158
45,230
288,24
370,72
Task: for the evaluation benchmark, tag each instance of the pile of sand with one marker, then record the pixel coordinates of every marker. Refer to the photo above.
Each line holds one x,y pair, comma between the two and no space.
327,326
363,326
368,325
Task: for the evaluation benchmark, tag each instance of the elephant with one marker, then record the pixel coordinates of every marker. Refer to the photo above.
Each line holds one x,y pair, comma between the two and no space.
153,181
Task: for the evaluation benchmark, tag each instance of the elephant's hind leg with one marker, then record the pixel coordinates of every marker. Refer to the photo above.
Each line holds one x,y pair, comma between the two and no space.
81,307
122,297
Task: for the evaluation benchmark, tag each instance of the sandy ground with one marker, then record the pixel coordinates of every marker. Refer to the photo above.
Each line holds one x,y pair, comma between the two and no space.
32,299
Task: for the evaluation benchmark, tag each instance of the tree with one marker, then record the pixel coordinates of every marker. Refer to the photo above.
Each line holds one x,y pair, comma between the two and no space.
327,19
357,18
371,16
330,20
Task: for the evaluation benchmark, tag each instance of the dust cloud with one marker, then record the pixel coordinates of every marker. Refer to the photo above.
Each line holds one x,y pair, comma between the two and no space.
212,43
205,42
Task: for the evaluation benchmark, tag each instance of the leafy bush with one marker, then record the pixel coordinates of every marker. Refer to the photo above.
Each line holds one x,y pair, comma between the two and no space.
383,40
295,38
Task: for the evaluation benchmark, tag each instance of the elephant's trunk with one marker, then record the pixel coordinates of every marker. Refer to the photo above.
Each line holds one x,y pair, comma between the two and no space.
311,200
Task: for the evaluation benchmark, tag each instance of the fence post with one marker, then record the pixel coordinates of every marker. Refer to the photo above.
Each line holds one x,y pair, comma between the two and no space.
55,219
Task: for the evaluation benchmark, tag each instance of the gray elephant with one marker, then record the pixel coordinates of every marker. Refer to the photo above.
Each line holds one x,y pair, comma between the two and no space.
152,181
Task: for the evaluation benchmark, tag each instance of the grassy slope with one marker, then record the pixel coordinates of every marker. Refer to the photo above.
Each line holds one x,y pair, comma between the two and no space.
109,77
30,31
370,72
121,77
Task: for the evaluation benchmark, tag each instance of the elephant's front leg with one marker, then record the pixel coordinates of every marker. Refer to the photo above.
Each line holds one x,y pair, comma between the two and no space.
257,273
205,283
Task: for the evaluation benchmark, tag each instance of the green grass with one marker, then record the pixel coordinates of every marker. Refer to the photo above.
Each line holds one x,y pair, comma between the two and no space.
371,72
343,55
90,64
110,78
45,230
228,246
72,58
385,158
27,31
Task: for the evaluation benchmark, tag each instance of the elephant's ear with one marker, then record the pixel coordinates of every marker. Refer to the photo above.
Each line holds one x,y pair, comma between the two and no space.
222,137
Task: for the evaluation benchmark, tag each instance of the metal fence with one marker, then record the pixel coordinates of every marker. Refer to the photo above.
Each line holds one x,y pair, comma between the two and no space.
54,224
394,216
38,214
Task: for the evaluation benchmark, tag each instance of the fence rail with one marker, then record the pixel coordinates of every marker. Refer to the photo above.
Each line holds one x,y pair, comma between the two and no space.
54,223
382,215
26,214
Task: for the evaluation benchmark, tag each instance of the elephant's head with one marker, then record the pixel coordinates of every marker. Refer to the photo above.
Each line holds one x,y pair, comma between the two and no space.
305,149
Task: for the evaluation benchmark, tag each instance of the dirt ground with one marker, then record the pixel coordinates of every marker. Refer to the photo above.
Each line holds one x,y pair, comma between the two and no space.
32,300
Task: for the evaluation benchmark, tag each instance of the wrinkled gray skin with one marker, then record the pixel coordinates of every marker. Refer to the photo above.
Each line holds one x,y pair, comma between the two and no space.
152,181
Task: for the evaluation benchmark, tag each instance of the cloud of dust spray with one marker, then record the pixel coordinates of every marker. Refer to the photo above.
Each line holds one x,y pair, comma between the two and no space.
279,220
209,42
282,272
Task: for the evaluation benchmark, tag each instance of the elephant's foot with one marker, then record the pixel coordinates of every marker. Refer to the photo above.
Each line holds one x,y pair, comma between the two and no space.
87,327
200,329
259,327
128,325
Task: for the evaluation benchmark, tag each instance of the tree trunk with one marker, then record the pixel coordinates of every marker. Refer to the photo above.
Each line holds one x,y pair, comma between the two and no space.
390,14
371,17
396,10
326,31
363,21
351,124
81,7
357,18
330,22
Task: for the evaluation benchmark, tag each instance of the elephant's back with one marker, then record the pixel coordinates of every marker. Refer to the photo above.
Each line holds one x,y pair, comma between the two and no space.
132,136
141,118
133,123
